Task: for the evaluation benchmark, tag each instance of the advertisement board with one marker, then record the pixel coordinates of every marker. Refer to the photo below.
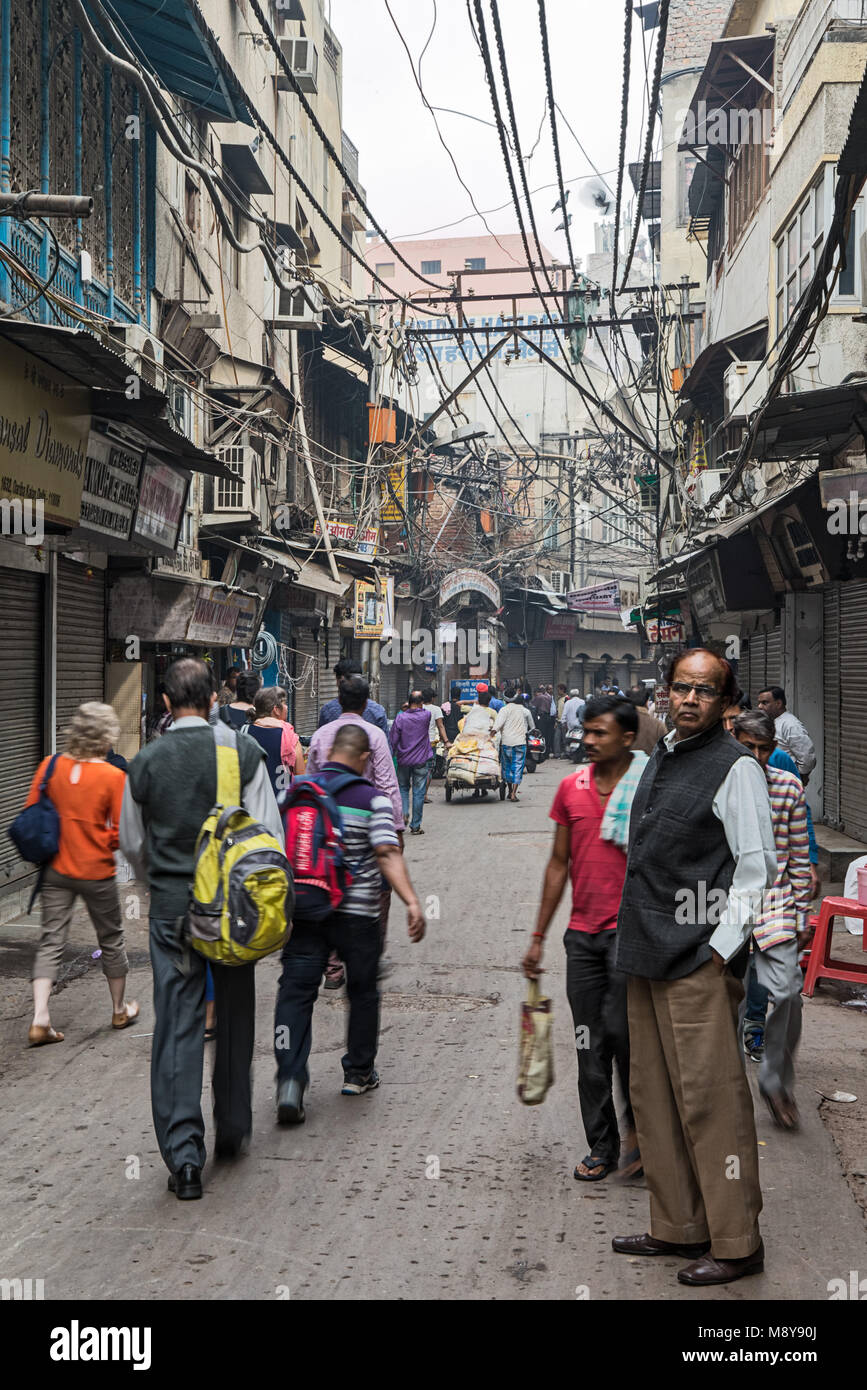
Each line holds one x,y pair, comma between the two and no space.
44,426
601,598
110,493
162,498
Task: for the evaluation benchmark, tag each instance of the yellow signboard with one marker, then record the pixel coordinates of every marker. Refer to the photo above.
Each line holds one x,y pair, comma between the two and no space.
369,610
393,507
44,424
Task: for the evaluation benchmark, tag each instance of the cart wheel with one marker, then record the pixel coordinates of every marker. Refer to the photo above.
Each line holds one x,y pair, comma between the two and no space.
448,791
502,791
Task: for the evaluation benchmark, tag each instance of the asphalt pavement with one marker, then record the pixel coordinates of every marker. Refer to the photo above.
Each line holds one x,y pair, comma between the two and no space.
439,1185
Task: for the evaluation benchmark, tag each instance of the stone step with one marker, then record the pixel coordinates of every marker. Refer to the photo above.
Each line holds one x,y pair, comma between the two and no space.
836,852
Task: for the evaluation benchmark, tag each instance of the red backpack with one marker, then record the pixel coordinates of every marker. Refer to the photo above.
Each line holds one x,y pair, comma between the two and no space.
315,843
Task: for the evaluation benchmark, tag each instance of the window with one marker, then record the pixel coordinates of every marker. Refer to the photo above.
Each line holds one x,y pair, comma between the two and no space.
474,263
799,248
191,203
748,170
431,267
345,253
385,269
550,528
685,170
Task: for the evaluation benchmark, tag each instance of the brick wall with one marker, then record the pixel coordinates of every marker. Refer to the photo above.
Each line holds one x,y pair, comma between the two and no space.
693,25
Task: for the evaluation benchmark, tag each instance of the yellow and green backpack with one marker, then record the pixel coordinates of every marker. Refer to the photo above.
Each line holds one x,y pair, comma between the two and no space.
242,895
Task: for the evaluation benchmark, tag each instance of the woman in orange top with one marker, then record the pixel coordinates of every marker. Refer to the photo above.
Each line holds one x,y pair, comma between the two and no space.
87,792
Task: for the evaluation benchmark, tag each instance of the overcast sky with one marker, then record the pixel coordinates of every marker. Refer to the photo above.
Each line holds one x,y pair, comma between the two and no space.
411,185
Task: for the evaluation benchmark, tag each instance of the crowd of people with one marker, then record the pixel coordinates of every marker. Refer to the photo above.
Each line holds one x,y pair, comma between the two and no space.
690,865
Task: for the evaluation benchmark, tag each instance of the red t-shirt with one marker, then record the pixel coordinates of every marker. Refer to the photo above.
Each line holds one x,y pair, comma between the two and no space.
597,866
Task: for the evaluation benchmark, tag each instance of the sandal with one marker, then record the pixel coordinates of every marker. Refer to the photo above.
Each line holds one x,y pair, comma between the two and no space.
591,1161
630,1165
129,1015
783,1111
39,1035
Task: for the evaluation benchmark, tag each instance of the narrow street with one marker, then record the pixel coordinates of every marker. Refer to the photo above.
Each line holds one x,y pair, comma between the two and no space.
348,1206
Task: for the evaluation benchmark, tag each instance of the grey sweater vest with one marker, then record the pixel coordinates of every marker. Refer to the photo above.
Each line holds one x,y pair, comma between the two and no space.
174,779
676,843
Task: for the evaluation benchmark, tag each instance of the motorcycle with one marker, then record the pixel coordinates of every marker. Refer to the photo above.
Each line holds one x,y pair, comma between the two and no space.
574,745
537,750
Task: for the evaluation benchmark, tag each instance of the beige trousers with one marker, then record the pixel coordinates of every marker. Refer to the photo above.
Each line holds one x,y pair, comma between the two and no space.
694,1111
103,905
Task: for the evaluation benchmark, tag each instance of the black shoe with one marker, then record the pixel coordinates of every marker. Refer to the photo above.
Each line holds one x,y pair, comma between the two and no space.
355,1083
647,1245
230,1145
186,1183
290,1103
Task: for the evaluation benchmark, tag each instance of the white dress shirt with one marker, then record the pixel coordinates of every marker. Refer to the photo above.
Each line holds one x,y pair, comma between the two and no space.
793,738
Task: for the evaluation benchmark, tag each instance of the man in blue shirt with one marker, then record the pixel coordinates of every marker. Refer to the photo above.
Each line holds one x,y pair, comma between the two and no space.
372,712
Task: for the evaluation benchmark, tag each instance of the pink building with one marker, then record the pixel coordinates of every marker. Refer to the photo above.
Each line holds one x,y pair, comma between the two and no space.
436,257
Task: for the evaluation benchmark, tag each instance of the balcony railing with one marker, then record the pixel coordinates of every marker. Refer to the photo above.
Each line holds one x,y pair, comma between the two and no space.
25,241
815,18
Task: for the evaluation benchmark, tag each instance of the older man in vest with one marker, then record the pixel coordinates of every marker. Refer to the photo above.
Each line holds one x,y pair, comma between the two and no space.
701,855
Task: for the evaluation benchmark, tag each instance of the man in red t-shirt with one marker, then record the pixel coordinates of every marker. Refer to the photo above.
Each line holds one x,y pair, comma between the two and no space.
590,846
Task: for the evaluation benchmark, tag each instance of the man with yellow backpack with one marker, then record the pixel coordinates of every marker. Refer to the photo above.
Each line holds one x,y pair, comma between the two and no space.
172,828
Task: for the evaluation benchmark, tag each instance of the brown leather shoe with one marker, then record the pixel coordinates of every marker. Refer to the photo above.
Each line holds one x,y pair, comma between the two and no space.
648,1245
707,1270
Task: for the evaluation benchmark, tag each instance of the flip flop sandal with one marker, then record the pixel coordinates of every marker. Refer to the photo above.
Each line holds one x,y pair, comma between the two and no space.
39,1035
129,1016
630,1165
590,1161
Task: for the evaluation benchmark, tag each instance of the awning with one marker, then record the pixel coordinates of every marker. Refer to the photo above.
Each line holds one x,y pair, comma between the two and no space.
345,362
242,166
313,578
806,421
175,40
717,355
730,66
87,360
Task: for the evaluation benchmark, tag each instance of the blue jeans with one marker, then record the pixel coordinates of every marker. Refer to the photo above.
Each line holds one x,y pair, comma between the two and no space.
415,778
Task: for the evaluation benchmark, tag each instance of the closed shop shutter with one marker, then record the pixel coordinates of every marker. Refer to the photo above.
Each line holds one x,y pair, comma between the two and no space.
758,653
80,639
831,680
329,657
774,657
541,663
393,685
511,665
307,700
853,709
21,703
744,667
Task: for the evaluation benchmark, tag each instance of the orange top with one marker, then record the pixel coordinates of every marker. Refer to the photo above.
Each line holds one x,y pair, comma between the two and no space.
88,797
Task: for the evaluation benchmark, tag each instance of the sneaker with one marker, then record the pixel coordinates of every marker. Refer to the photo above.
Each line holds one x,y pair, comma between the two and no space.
355,1083
754,1044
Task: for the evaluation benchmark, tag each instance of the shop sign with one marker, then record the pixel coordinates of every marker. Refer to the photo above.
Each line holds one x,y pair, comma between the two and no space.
186,562
466,581
44,426
393,504
369,610
162,498
600,598
559,629
366,543
669,628
705,588
246,625
110,493
214,617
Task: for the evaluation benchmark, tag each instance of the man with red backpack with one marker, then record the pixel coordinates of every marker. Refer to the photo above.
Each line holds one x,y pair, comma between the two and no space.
340,838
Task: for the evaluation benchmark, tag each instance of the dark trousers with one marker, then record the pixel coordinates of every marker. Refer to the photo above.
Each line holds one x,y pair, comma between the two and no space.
177,1055
358,943
597,998
757,997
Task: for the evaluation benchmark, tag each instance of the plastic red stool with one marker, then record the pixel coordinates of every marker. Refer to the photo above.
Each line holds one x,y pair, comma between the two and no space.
821,966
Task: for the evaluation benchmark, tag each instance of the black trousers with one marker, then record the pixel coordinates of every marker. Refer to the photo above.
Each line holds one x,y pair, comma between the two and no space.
358,943
177,1055
597,997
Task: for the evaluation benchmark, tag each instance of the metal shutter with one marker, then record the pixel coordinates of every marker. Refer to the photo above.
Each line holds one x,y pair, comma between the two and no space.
307,700
393,686
541,664
80,639
21,705
853,709
831,678
745,667
758,661
329,657
774,657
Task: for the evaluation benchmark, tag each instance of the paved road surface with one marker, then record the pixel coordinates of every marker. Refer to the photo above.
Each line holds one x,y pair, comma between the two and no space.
346,1206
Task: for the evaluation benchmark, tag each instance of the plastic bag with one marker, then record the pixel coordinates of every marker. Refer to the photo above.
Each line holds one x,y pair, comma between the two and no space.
536,1063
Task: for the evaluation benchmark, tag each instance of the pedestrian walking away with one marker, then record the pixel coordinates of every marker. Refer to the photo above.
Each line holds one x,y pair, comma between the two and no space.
171,788
372,713
440,742
353,702
270,727
591,810
410,743
238,713
781,925
87,793
701,853
513,723
372,851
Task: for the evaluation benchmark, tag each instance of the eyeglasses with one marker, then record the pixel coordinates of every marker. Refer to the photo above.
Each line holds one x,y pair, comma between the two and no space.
702,692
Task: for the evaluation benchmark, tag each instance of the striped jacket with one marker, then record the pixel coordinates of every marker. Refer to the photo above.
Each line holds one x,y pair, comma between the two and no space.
786,904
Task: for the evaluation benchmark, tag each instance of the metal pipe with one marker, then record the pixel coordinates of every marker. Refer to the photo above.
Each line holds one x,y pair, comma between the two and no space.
46,204
45,143
5,125
107,175
150,138
77,153
136,210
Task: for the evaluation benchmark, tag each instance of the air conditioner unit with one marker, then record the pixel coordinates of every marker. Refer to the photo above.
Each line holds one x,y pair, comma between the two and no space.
745,385
297,307
701,486
303,58
240,493
561,581
143,352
